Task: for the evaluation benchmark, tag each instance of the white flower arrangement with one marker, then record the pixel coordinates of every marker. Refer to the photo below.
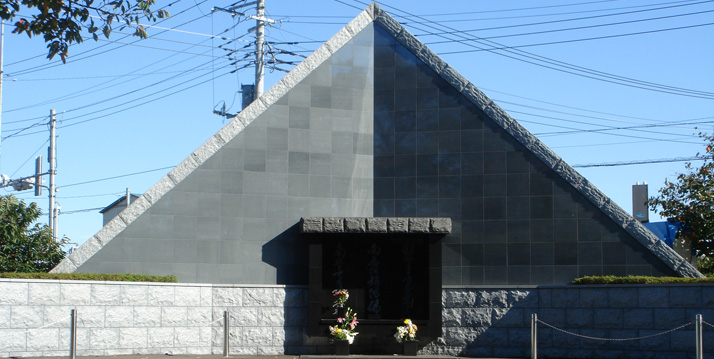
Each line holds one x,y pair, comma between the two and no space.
406,332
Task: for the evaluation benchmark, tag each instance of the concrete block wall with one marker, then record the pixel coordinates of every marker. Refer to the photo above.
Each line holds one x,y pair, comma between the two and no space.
495,322
115,318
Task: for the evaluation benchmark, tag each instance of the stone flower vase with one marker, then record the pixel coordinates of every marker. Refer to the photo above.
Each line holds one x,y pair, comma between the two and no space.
342,347
410,348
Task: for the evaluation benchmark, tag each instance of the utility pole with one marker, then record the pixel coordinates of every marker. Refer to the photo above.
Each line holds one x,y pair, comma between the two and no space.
35,181
260,21
259,42
2,72
52,172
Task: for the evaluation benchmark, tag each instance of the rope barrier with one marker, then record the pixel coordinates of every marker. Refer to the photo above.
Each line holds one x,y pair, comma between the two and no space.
182,326
614,339
709,324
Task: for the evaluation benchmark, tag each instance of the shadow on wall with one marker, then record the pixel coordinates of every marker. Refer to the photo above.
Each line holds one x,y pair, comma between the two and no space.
295,341
497,324
288,253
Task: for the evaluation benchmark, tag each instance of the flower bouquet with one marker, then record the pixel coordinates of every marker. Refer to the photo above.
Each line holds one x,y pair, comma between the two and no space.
344,330
341,296
406,332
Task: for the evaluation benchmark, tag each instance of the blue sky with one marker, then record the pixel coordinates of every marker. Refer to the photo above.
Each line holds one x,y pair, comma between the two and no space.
572,72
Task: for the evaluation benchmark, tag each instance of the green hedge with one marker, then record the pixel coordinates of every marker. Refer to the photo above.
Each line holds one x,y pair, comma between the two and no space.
128,277
611,279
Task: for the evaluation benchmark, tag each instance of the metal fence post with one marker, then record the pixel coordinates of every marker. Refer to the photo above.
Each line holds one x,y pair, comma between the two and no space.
73,335
226,333
534,336
698,334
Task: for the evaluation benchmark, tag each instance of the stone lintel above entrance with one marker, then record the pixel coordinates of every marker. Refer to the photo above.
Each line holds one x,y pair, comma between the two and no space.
435,225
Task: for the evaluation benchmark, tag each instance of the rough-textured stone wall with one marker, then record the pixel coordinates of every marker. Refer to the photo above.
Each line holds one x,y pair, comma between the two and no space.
117,318
495,322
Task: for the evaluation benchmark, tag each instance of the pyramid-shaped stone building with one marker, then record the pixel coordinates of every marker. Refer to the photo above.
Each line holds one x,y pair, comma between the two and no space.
374,135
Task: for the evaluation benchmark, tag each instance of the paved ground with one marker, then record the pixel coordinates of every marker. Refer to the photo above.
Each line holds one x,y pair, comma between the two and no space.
164,356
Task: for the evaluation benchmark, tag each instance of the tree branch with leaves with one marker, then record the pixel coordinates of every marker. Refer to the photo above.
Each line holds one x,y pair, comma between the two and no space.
690,200
25,247
61,22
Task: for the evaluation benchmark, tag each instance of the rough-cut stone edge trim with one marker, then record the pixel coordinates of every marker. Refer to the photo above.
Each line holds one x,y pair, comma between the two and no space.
159,284
311,221
215,143
533,144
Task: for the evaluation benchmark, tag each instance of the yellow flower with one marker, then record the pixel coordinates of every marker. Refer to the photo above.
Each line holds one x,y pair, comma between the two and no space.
407,321
338,330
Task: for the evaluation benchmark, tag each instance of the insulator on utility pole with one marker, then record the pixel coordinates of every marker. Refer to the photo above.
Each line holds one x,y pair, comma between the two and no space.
260,22
38,176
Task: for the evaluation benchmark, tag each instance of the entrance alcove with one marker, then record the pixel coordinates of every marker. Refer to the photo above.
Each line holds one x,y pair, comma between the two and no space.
391,268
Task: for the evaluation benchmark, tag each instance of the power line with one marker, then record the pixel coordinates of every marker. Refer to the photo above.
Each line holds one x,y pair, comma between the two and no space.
106,85
115,177
605,144
92,89
583,39
135,105
625,128
106,76
115,194
49,65
570,107
133,92
581,27
560,66
544,7
471,12
602,132
579,115
580,71
670,6
159,48
81,210
17,133
142,103
641,162
41,55
462,13
29,158
639,128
